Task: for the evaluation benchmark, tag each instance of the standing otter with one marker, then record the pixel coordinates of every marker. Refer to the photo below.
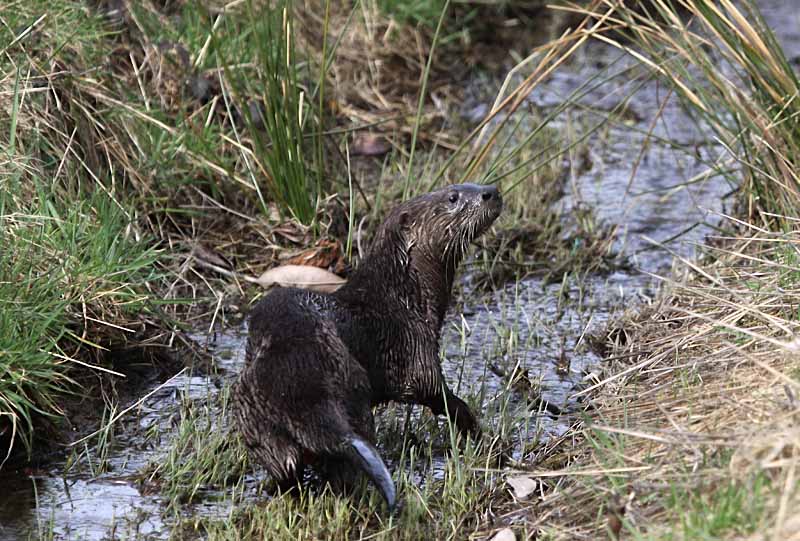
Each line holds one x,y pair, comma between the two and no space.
316,363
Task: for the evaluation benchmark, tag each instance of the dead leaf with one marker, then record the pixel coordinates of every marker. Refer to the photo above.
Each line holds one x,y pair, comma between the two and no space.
291,232
522,486
201,252
615,512
369,144
324,254
506,534
302,276
614,525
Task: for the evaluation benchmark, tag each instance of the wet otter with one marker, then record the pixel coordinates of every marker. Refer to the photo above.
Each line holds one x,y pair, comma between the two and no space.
316,363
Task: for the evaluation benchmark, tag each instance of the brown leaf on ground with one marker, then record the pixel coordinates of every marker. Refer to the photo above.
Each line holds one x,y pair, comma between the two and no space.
292,232
209,256
369,144
615,512
302,276
325,254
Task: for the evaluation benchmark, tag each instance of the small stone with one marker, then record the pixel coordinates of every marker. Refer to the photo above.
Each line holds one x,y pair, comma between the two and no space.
522,486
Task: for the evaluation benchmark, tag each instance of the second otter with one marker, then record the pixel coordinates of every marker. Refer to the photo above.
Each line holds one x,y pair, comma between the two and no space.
316,363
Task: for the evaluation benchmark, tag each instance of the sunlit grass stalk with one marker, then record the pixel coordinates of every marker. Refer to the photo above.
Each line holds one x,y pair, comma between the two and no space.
321,78
351,215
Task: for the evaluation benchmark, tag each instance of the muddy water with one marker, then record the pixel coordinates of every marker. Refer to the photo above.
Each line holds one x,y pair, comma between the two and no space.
88,498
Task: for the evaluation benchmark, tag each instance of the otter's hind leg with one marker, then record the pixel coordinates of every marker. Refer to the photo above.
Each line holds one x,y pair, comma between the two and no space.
265,437
329,435
335,438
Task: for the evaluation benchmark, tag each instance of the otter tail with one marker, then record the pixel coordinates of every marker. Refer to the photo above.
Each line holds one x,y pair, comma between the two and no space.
364,455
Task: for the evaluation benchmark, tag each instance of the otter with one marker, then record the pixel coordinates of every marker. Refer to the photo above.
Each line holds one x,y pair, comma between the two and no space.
316,363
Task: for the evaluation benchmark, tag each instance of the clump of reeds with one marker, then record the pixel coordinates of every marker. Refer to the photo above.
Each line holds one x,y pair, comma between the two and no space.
279,113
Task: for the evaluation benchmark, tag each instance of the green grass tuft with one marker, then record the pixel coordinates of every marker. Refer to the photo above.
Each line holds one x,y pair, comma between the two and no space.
714,512
73,268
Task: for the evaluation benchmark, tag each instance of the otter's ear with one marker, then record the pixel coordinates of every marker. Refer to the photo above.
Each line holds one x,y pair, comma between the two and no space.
404,220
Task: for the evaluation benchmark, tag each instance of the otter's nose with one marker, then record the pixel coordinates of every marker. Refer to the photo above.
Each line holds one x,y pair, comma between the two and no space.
490,192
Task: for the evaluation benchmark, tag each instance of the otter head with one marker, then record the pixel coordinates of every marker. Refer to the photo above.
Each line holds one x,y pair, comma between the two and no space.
432,232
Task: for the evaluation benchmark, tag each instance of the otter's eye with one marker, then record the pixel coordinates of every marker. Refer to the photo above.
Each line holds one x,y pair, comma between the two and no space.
454,197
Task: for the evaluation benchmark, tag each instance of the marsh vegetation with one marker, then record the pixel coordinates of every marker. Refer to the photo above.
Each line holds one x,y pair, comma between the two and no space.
155,152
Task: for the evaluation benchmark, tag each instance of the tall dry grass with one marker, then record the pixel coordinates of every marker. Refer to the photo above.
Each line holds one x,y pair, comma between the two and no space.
693,432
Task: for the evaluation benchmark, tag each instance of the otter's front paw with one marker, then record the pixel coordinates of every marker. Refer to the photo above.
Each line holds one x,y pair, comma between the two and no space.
468,424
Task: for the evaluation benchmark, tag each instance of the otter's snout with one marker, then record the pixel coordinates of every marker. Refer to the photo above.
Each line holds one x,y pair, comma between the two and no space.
491,196
490,192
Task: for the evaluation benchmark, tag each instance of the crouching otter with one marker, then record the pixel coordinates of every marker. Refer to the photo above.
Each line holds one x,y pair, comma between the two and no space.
316,363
